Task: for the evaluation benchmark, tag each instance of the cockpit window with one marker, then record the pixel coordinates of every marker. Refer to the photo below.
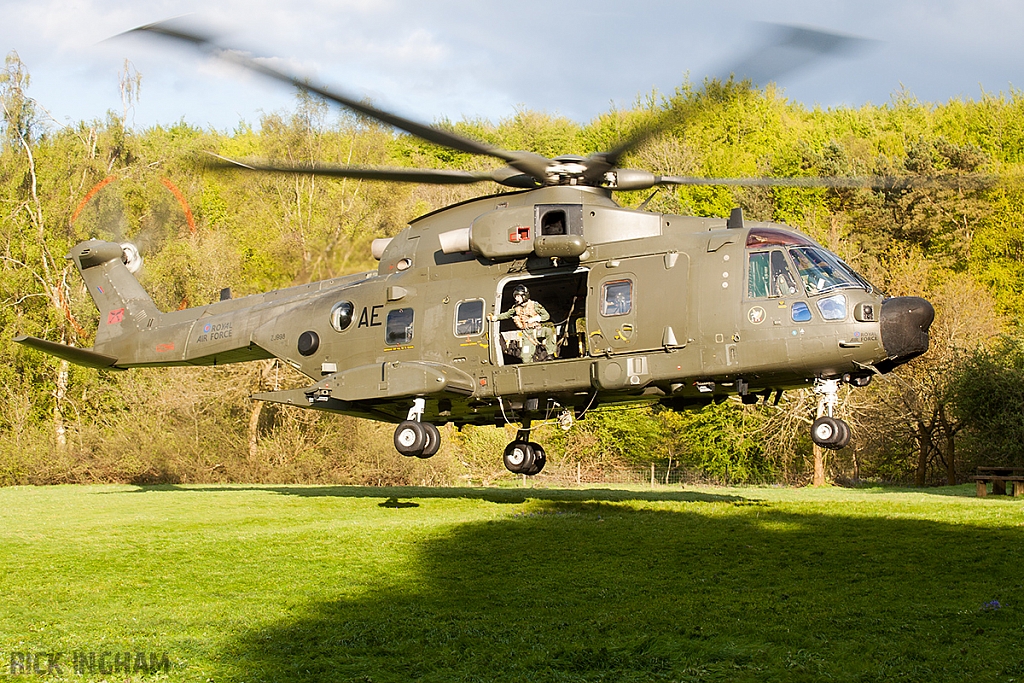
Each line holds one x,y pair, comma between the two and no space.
783,282
821,271
769,275
774,237
757,275
833,307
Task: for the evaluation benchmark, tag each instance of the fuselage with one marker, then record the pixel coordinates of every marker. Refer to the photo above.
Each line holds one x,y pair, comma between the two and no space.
642,307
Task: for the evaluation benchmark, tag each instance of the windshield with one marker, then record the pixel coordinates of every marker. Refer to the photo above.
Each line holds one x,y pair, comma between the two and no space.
822,271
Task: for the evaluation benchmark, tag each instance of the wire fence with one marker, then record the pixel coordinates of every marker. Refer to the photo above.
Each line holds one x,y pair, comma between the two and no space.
576,474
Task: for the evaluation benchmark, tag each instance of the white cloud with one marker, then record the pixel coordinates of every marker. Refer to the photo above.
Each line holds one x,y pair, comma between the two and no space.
464,57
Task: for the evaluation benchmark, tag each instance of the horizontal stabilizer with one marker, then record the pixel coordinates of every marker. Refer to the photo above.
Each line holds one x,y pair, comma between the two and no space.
89,359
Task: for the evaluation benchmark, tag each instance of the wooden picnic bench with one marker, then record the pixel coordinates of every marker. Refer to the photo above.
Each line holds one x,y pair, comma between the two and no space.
999,476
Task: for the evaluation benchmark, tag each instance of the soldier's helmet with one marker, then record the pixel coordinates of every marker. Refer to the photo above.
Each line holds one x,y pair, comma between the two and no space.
521,291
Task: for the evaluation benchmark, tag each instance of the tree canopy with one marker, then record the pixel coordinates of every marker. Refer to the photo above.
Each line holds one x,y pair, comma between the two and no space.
960,245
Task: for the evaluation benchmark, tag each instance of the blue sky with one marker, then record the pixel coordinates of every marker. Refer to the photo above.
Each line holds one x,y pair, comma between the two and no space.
467,58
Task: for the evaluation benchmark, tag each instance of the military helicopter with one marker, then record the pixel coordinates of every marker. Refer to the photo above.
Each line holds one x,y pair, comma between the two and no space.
541,302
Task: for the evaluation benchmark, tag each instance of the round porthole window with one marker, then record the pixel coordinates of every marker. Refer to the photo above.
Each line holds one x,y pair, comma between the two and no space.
309,342
341,315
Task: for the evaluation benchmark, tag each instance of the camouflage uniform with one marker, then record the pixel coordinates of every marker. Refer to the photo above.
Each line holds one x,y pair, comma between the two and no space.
529,317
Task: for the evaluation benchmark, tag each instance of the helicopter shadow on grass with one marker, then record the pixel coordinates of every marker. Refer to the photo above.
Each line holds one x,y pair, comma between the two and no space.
579,591
511,496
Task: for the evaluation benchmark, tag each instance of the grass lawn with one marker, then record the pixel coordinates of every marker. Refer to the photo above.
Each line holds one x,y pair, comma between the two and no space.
271,583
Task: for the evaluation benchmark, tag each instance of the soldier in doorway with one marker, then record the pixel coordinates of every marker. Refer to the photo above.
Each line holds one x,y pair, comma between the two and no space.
538,340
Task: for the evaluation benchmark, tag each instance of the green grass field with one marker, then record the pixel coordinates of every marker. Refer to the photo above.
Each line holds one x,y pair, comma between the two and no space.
269,583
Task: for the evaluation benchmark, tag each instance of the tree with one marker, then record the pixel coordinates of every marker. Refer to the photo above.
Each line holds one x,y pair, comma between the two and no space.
916,404
722,441
989,391
50,274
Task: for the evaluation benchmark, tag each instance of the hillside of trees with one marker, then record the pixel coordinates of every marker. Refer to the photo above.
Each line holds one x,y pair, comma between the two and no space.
933,421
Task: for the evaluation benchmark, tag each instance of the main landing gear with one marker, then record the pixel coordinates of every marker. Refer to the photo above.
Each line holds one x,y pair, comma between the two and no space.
416,438
524,457
828,431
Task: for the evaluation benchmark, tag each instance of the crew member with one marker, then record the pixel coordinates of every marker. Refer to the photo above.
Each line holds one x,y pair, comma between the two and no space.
529,316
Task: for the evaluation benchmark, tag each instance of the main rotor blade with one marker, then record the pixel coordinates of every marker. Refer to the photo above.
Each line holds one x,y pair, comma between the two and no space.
785,49
502,176
526,162
862,182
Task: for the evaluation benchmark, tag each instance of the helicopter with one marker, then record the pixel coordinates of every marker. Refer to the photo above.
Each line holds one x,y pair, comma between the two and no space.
540,302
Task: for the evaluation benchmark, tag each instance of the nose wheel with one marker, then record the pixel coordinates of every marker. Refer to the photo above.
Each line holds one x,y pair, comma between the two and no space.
828,431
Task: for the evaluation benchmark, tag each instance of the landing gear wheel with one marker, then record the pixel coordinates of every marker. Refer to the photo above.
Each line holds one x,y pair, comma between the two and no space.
844,435
824,431
828,432
540,458
410,438
433,440
519,457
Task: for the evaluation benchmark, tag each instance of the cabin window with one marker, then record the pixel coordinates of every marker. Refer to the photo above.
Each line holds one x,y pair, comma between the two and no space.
341,315
469,318
617,298
399,327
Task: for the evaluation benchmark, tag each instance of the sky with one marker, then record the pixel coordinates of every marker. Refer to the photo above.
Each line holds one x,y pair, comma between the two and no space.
460,59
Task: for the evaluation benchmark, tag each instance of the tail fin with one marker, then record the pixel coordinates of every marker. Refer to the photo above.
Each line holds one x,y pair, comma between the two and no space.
125,307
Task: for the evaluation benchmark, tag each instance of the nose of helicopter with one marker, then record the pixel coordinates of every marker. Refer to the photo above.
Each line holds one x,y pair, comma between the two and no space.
904,328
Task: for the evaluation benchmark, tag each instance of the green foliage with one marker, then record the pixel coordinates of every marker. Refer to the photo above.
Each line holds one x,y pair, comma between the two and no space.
630,433
989,387
255,233
721,442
